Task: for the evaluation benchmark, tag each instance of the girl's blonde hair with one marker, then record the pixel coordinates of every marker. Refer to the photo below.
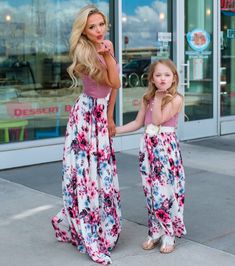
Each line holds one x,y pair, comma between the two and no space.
171,92
82,51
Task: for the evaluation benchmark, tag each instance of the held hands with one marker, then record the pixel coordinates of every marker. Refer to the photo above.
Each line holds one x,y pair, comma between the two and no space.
111,127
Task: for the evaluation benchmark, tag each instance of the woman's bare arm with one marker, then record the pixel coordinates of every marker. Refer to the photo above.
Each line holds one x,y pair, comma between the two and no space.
111,75
110,112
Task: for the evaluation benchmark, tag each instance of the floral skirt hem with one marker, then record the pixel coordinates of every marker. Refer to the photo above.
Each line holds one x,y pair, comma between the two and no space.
91,216
163,180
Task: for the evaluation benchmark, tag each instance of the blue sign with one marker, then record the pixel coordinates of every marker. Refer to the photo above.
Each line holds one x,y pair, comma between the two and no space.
231,33
198,39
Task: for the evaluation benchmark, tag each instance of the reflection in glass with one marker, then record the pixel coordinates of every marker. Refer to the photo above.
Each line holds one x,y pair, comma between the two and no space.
35,98
146,37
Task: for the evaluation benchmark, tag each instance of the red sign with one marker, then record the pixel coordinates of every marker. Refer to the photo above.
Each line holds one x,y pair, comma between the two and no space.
35,111
228,5
18,110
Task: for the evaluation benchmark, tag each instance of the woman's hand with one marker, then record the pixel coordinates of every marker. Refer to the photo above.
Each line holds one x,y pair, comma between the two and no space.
111,127
104,49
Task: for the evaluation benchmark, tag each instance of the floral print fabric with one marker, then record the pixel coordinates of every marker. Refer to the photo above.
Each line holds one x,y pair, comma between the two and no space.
90,219
163,182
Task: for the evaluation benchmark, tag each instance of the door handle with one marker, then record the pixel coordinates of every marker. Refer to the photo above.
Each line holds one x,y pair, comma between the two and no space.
187,83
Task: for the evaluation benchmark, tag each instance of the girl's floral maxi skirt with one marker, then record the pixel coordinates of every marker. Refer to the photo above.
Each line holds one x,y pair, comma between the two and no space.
163,182
90,218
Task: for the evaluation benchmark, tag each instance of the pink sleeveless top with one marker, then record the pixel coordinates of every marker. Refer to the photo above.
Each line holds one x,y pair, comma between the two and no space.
148,118
94,89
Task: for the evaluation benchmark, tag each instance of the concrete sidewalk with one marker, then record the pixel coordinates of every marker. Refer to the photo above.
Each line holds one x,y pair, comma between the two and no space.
27,237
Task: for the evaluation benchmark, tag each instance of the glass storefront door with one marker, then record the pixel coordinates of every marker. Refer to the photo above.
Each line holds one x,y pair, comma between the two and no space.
200,117
227,82
146,37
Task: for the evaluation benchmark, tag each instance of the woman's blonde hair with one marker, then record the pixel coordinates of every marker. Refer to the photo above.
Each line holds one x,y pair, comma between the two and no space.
171,92
82,51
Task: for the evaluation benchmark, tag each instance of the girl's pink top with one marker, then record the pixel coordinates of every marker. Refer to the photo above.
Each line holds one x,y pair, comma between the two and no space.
148,118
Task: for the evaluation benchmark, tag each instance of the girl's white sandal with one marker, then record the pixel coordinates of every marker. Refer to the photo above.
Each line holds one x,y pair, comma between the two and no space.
167,244
150,243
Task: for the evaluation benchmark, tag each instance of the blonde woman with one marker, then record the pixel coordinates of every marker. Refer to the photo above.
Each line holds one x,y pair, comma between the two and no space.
160,160
90,218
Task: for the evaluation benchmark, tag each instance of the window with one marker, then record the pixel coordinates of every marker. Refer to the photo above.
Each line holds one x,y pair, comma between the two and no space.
147,36
35,98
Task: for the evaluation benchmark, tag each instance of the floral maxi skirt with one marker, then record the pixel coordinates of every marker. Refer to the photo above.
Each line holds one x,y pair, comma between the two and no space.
90,218
163,182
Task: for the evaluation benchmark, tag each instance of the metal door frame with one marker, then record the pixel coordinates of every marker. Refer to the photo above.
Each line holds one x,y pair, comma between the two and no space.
226,124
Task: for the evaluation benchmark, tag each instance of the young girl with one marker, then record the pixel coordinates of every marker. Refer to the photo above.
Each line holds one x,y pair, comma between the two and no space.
159,157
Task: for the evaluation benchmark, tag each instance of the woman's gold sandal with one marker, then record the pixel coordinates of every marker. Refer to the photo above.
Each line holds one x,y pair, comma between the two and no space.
150,243
168,244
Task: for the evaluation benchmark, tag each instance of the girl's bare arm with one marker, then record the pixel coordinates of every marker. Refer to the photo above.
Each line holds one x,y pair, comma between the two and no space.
135,124
160,116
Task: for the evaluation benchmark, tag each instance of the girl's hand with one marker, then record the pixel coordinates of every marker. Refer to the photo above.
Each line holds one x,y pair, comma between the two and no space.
160,94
